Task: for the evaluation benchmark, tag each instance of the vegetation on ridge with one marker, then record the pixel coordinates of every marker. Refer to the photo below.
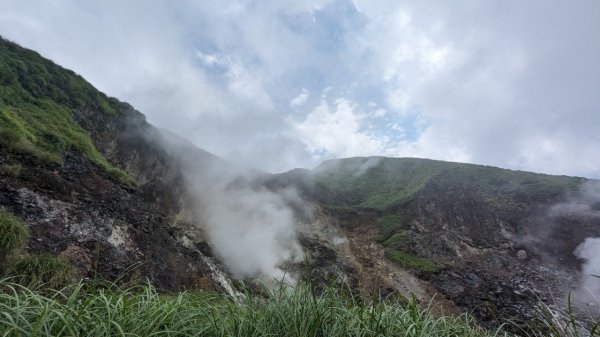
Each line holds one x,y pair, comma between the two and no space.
383,184
390,188
37,101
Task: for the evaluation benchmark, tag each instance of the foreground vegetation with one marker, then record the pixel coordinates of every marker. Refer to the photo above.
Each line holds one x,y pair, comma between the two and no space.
84,310
36,271
141,311
14,233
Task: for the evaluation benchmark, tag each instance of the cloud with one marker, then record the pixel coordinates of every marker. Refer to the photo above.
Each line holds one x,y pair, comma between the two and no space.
508,90
301,99
337,131
340,129
510,84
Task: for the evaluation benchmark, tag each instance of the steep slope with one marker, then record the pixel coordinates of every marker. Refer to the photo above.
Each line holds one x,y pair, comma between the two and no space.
487,239
93,180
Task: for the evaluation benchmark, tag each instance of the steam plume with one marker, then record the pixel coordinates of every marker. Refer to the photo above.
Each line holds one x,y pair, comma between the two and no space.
586,204
252,229
589,250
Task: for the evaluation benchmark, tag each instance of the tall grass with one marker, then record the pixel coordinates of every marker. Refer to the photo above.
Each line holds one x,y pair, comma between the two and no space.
13,233
555,322
141,311
42,271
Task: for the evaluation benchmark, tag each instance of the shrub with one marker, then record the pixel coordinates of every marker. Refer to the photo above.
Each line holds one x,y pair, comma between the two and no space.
42,271
13,233
411,261
13,170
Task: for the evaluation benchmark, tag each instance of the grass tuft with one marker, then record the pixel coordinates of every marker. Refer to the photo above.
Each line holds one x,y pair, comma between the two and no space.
43,271
554,322
13,170
14,234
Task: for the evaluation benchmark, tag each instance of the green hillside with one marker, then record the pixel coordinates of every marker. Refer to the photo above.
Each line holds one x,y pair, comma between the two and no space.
384,183
377,183
38,100
397,191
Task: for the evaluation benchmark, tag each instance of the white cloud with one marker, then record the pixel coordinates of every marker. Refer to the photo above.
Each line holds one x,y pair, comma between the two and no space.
338,131
209,59
301,99
512,91
511,84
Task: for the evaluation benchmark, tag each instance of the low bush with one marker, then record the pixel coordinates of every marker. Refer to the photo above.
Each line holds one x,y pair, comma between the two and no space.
14,234
42,271
13,170
411,261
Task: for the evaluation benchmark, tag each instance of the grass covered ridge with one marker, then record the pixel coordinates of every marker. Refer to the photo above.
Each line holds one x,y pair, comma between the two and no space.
376,183
37,100
383,184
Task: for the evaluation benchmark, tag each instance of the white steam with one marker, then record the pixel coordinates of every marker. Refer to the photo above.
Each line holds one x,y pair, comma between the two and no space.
585,204
251,229
589,250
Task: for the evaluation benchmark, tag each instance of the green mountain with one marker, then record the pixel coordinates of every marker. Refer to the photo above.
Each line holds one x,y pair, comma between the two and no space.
44,107
119,199
388,183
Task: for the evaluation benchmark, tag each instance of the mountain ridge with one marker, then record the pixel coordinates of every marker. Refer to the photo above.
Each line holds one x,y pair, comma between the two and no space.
478,236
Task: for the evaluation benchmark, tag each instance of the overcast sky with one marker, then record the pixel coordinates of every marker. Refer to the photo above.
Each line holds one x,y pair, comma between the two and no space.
281,84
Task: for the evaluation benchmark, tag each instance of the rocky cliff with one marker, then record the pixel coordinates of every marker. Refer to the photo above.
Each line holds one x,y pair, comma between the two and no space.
90,178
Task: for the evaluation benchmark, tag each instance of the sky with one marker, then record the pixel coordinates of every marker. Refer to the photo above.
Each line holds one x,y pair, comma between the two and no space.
279,84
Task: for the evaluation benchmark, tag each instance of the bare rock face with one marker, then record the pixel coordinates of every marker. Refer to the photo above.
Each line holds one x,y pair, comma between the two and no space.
106,229
488,241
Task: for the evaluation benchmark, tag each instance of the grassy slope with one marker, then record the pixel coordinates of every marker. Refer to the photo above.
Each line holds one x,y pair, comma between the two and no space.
37,100
387,185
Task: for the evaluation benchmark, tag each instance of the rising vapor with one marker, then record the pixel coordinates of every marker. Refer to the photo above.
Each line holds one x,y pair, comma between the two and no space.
251,229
